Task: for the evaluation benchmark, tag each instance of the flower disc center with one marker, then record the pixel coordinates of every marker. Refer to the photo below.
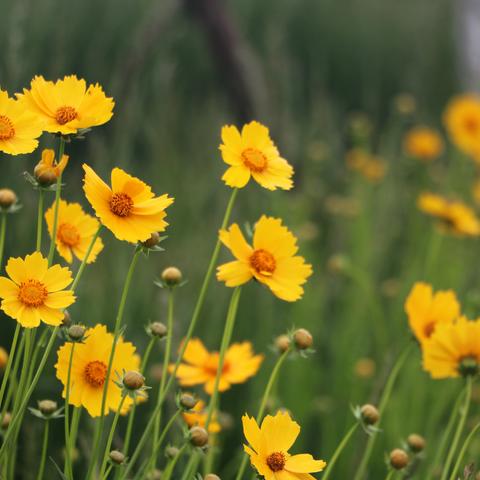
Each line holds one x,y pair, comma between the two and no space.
276,461
95,373
121,204
32,293
65,114
263,261
68,234
6,128
254,159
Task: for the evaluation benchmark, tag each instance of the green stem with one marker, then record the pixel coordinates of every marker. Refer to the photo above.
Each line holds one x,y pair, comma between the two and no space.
360,473
3,230
458,431
190,468
107,473
84,261
68,459
13,389
116,335
465,445
339,450
40,220
390,475
51,252
41,468
77,411
8,368
171,465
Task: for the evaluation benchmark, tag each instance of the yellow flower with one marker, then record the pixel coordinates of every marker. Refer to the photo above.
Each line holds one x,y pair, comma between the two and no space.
19,128
197,416
47,168
35,292
75,231
423,143
455,217
129,209
426,310
269,445
252,153
271,260
201,366
369,166
67,105
453,349
89,370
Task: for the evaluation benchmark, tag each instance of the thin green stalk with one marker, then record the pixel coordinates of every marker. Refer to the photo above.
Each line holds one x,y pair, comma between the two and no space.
171,465
3,230
43,459
8,368
77,412
360,473
190,468
51,252
12,390
390,475
68,459
116,335
84,261
107,473
40,220
263,404
339,450
458,431
465,446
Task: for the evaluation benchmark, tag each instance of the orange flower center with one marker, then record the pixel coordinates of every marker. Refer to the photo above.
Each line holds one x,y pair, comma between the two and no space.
68,234
471,125
276,461
211,365
254,159
95,373
32,293
428,329
263,261
6,128
65,114
121,204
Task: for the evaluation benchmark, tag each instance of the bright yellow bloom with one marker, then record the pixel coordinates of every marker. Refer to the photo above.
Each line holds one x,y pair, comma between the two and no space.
19,128
369,166
269,445
201,366
89,370
271,260
252,153
47,167
453,349
455,217
75,231
426,310
67,105
197,416
423,143
35,292
129,209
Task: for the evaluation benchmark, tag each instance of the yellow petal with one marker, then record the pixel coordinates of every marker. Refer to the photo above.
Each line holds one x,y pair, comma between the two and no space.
280,432
304,463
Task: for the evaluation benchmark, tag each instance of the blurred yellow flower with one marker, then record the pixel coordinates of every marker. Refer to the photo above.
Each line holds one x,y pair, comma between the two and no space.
35,292
269,445
3,358
453,349
371,167
19,128
89,370
201,365
271,260
67,105
426,309
75,231
129,208
197,416
454,216
47,168
423,143
252,153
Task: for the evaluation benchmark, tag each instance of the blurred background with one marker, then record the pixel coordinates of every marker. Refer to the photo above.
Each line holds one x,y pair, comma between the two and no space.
321,74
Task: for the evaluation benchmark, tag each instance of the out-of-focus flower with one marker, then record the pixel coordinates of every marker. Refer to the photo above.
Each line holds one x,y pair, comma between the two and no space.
342,206
405,103
365,368
423,143
371,167
197,416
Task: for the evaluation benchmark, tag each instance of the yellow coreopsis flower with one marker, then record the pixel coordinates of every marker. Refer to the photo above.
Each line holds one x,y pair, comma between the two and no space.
75,231
269,446
426,309
34,291
252,153
67,105
423,143
454,216
201,366
129,209
19,127
453,349
271,260
197,416
47,169
89,370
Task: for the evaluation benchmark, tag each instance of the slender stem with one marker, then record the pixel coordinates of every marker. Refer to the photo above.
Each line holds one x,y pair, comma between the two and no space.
360,473
390,475
51,252
171,465
458,431
12,390
465,445
84,261
116,335
77,411
3,230
266,394
339,450
6,375
68,460
190,468
107,473
41,468
40,220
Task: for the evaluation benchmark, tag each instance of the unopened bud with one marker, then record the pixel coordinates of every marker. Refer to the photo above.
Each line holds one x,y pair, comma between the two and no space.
7,418
7,198
416,442
282,343
172,276
154,475
153,241
44,176
211,476
198,437
67,319
117,457
158,329
172,452
303,339
133,380
47,407
76,332
398,459
370,414
188,401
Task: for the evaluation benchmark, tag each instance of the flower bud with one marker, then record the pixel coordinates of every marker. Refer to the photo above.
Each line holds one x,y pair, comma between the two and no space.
133,380
398,459
76,333
338,264
67,319
172,276
171,452
211,476
47,407
416,443
117,457
3,358
303,339
7,418
7,198
188,401
153,241
198,437
154,475
370,414
158,329
45,177
282,343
